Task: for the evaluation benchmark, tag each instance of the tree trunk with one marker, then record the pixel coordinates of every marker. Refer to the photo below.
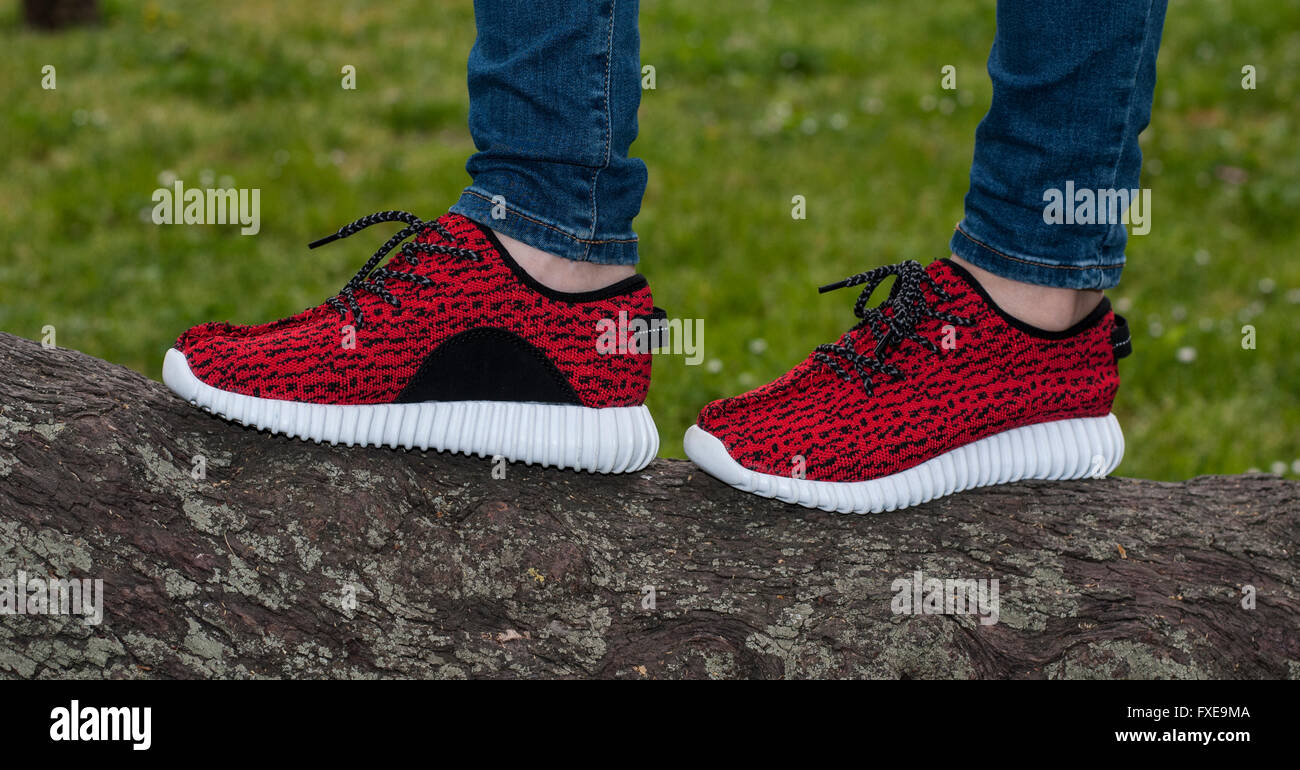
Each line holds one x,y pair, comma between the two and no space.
225,552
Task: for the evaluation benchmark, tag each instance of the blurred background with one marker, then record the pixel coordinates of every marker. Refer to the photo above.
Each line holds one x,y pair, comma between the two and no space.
756,101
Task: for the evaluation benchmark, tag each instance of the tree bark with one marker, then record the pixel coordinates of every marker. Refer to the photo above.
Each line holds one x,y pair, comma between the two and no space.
292,559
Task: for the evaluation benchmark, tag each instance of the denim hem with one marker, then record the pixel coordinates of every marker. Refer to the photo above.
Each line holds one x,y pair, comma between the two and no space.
540,233
999,261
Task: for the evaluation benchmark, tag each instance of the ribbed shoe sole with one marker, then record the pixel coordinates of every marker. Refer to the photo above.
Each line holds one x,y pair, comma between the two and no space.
1062,449
610,440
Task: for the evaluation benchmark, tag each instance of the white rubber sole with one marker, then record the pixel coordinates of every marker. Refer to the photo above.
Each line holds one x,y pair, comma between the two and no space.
611,440
1062,449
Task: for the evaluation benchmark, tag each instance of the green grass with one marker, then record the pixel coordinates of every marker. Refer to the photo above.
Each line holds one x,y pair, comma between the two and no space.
757,101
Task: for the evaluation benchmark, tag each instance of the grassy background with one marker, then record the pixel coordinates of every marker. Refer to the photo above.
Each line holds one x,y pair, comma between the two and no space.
757,101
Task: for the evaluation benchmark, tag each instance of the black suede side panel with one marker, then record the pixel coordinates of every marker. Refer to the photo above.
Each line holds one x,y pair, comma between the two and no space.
488,365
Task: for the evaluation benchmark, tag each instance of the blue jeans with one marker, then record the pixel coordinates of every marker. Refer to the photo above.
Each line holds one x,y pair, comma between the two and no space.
554,87
1072,87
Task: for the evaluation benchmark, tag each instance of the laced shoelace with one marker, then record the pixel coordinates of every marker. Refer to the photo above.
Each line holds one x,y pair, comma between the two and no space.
909,304
372,278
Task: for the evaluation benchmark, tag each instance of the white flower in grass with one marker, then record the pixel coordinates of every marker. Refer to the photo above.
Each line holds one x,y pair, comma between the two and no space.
757,346
1186,354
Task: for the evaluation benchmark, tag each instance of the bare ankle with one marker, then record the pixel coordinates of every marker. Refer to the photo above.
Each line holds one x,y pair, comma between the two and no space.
1046,307
560,274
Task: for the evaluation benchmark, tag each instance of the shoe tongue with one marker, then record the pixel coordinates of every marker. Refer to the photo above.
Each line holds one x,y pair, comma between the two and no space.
465,234
396,262
945,275
430,234
462,229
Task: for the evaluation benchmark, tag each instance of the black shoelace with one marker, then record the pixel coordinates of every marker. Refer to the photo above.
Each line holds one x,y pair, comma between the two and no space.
372,278
909,304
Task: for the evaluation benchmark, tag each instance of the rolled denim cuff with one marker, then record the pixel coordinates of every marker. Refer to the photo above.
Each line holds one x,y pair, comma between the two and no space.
501,213
1101,272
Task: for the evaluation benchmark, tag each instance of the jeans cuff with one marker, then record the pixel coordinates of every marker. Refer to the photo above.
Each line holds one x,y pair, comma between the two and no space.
539,233
1002,261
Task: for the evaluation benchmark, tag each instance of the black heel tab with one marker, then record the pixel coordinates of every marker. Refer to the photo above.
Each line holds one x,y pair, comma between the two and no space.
654,334
1121,341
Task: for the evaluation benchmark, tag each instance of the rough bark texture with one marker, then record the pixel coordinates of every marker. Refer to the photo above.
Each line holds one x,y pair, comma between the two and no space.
249,571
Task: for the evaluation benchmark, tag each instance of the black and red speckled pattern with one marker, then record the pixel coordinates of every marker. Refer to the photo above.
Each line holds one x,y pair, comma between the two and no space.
996,378
303,357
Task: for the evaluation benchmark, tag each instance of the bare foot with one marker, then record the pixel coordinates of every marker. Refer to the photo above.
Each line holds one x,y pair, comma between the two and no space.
1043,306
562,274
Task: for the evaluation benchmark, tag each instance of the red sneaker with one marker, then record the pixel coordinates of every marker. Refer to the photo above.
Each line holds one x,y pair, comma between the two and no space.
450,345
935,391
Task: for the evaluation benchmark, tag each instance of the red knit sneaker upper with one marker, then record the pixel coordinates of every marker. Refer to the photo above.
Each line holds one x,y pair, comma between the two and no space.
419,325
227,329
935,367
